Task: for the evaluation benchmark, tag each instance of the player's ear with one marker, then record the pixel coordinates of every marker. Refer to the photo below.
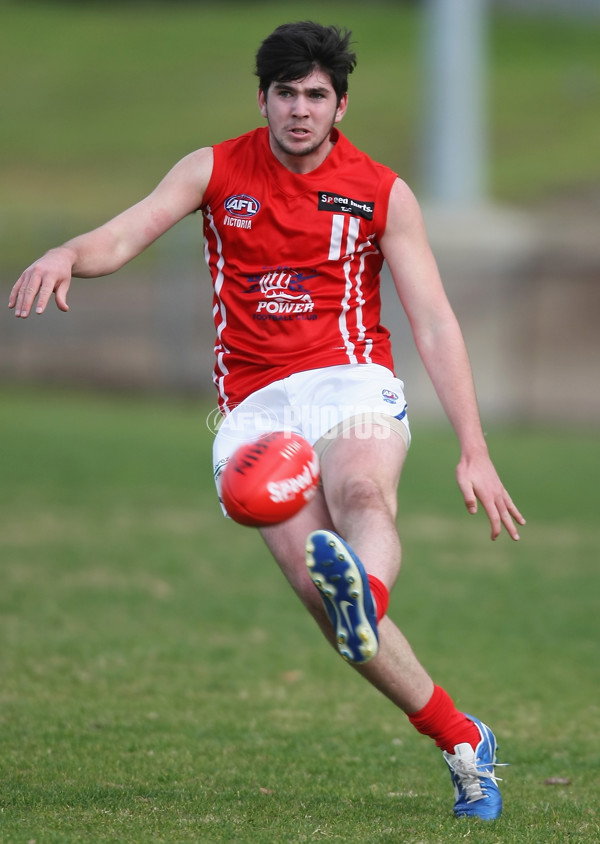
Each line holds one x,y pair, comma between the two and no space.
341,109
262,102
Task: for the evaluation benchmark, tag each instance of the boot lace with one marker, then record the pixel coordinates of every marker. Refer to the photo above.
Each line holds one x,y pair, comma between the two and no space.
472,779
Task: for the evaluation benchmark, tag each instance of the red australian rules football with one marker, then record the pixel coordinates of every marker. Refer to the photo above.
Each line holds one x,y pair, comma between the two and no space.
270,479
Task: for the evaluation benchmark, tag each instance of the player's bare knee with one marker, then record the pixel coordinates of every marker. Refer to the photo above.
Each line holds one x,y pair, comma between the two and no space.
360,492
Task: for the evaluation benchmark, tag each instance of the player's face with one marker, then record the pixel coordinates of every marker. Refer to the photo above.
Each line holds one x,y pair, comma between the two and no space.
301,115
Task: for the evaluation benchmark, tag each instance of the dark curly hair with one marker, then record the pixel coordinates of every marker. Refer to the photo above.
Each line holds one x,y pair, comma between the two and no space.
294,50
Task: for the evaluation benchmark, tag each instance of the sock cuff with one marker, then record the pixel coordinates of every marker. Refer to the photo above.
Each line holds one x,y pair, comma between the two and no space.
381,595
439,699
444,723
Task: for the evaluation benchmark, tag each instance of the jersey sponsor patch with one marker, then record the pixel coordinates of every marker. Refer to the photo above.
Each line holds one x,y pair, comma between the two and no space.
336,202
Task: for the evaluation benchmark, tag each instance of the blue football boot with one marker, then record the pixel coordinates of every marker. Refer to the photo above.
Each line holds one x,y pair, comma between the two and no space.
342,581
475,785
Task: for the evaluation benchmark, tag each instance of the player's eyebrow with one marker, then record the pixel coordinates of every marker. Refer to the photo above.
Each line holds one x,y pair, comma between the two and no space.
290,86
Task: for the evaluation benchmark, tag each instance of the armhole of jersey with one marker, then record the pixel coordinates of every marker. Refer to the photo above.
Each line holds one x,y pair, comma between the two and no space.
382,202
213,181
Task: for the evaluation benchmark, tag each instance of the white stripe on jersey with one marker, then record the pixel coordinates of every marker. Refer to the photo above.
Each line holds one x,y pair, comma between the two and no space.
335,244
353,227
359,305
219,307
354,285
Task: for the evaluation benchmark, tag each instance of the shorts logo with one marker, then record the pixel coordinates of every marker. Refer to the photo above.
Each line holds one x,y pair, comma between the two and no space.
243,206
336,202
390,396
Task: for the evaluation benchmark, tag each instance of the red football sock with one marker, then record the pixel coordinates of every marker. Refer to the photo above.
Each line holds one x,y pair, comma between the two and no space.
442,721
381,595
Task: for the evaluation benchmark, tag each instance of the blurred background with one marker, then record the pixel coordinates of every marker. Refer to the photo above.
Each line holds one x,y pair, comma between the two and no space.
490,110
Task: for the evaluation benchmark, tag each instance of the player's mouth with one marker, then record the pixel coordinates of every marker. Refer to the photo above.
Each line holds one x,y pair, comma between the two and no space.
299,132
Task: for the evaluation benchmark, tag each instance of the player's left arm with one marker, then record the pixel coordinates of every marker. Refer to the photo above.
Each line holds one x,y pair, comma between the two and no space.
441,346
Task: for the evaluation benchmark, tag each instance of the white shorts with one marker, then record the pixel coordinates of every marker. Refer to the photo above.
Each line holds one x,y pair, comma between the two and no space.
320,405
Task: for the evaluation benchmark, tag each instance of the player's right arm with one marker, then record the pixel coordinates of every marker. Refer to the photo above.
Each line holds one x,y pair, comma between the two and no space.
107,248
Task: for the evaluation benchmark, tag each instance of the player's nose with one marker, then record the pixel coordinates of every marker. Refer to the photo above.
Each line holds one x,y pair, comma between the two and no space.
300,106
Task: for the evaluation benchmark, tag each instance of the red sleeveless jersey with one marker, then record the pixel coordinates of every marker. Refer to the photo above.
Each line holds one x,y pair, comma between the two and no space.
295,263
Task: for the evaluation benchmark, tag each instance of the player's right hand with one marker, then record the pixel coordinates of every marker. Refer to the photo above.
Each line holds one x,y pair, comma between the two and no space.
49,274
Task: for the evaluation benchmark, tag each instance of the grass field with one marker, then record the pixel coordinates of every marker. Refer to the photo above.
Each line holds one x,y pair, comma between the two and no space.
160,683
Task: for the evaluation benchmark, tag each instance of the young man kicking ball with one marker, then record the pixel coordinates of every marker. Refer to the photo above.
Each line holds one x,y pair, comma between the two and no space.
297,225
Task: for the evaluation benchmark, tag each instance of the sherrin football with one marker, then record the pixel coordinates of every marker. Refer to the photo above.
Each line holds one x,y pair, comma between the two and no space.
270,479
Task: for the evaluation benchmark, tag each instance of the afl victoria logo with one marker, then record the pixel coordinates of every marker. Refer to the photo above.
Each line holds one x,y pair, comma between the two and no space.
242,205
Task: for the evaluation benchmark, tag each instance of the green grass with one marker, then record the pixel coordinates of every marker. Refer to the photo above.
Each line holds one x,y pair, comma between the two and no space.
543,107
160,683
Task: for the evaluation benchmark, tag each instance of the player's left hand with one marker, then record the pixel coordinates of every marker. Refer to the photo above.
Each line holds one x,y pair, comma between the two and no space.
478,480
